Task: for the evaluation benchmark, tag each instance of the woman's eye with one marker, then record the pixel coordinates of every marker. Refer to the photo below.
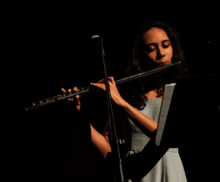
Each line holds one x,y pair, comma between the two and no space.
165,46
149,49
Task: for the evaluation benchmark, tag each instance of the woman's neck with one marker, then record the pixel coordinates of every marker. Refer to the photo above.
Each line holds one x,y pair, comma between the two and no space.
154,86
153,94
154,81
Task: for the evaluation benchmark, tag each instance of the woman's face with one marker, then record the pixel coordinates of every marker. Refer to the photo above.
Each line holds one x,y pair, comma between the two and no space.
158,50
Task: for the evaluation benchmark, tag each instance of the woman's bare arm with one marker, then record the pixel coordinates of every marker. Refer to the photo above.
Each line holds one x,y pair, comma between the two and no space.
101,141
74,107
146,124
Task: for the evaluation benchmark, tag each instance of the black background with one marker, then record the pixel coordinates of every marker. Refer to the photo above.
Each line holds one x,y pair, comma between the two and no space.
50,48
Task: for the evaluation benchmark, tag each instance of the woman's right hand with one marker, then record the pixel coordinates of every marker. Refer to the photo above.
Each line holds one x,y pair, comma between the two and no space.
73,104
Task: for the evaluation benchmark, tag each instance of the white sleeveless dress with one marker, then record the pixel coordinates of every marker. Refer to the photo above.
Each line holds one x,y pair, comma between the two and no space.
169,168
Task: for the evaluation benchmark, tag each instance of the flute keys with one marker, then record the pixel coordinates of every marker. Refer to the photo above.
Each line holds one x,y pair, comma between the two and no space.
83,88
37,103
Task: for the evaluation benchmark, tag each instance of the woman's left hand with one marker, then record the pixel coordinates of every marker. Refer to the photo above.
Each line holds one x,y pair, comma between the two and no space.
115,95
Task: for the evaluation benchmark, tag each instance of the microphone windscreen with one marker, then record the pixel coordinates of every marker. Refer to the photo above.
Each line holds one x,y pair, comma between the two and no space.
95,36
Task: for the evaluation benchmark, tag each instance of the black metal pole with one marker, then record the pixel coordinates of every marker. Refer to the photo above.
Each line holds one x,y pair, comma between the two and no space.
113,134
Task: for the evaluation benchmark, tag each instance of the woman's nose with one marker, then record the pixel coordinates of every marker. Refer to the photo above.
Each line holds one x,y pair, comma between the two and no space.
160,54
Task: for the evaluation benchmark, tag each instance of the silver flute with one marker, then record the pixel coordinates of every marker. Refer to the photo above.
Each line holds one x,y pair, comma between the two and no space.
86,90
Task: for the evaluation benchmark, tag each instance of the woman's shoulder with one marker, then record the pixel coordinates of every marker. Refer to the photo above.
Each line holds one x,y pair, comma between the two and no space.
153,95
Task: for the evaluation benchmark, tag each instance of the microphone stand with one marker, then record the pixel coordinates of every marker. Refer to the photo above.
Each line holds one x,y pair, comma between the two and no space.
113,135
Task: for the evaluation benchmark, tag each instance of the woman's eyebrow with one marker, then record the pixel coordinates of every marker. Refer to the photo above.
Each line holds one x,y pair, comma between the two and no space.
165,40
151,44
156,44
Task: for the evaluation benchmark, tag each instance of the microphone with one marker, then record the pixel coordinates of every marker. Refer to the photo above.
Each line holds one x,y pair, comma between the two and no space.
95,37
96,40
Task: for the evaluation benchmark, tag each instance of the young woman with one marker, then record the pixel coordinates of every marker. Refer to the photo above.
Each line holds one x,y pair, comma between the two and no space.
156,44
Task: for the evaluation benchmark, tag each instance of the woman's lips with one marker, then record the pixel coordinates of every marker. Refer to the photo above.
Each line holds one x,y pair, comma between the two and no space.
162,63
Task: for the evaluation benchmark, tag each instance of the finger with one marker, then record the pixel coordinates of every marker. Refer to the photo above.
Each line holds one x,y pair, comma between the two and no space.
77,101
65,93
101,81
99,85
69,91
111,79
75,89
63,90
70,100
